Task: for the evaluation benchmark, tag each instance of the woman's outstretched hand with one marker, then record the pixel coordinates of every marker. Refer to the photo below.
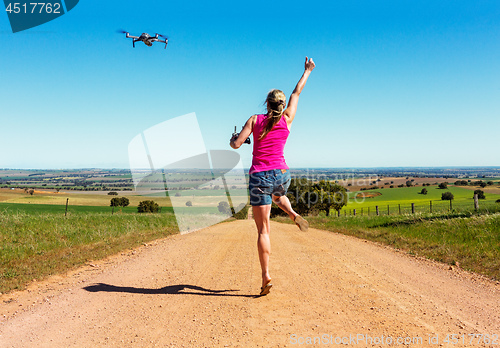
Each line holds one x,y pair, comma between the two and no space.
309,65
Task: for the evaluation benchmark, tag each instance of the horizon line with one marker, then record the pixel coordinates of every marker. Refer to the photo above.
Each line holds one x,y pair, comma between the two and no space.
291,168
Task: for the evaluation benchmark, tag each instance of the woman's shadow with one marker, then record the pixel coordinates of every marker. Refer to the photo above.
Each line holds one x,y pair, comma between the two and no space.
181,289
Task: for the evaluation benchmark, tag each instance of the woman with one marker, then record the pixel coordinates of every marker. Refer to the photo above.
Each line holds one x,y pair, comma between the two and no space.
269,174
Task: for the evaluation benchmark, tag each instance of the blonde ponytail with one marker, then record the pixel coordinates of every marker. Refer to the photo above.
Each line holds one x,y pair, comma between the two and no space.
276,101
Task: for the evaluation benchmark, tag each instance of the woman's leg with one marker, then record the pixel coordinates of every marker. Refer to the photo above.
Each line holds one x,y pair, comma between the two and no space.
261,215
284,203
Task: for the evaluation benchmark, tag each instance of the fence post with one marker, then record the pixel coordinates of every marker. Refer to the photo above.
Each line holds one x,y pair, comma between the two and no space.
66,212
430,207
378,213
413,208
476,201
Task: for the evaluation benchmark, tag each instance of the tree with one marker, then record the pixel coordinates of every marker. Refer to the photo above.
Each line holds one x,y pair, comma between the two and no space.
224,208
329,196
307,197
447,196
148,207
480,194
119,202
424,191
443,185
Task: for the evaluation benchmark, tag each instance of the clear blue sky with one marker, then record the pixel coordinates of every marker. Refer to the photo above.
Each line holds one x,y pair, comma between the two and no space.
397,83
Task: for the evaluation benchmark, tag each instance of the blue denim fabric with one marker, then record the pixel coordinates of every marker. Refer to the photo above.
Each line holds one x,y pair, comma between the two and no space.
270,182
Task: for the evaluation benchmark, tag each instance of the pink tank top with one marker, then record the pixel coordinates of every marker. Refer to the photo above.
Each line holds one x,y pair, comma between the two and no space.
268,152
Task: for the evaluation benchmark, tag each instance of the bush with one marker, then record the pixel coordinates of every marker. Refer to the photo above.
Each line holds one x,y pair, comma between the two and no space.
148,207
447,196
242,213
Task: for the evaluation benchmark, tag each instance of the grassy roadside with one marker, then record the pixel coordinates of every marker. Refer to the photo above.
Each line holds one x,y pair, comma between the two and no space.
36,245
469,240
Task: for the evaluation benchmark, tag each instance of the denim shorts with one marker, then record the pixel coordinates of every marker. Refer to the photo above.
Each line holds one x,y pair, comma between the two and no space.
270,182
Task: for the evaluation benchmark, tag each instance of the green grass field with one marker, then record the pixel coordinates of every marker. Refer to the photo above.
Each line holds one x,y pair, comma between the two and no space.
35,244
61,209
404,196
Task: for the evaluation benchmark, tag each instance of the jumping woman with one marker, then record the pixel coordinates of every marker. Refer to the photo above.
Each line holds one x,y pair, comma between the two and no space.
269,174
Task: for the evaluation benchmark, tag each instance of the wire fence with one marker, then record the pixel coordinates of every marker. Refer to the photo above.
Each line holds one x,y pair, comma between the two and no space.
422,208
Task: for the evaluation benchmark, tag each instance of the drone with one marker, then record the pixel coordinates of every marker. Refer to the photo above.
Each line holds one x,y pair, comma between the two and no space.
146,38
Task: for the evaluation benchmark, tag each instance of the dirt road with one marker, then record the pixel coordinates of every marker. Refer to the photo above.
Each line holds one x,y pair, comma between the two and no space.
198,290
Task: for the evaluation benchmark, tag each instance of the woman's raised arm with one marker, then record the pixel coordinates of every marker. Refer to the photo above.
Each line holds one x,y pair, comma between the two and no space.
294,98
